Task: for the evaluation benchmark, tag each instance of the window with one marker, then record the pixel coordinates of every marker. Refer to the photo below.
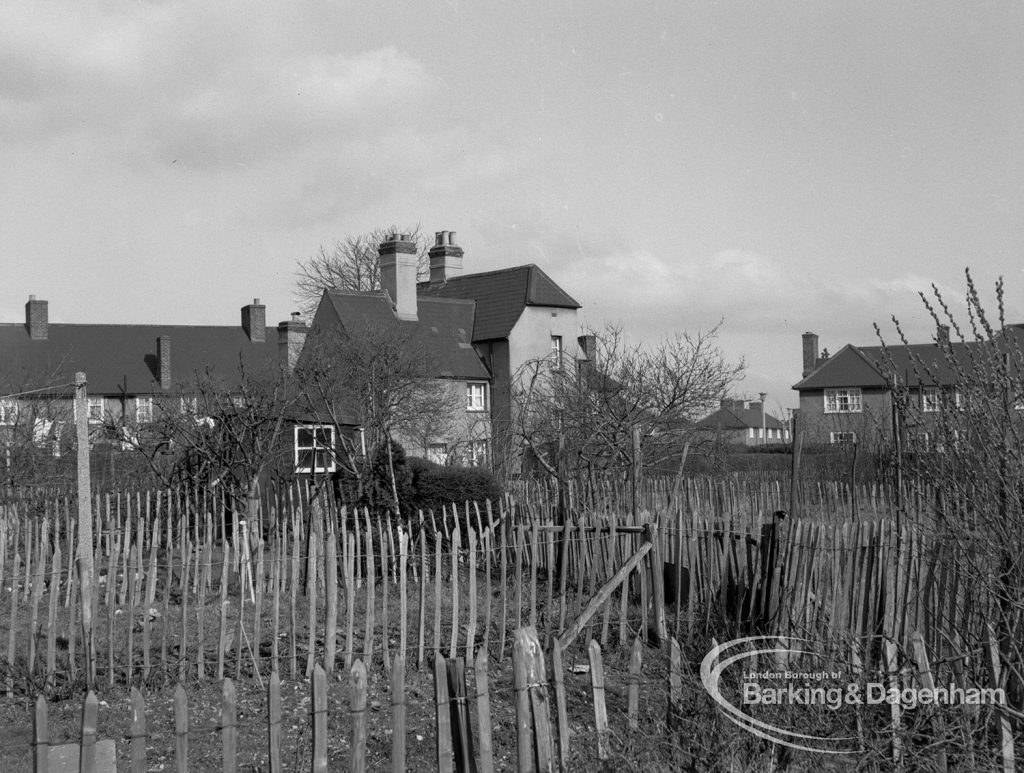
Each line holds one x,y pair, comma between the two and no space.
475,453
750,433
95,410
556,352
189,405
437,453
8,410
842,438
143,410
843,400
931,400
476,397
314,448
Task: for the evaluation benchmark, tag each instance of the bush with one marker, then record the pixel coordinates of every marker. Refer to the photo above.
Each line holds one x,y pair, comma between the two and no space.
435,486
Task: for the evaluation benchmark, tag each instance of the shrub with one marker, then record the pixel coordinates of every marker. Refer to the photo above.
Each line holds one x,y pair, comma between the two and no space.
436,486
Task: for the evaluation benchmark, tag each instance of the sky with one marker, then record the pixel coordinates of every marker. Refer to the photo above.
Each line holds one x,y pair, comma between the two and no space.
768,168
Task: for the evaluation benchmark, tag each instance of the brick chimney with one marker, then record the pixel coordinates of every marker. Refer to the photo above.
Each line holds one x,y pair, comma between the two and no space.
163,357
445,258
291,336
398,274
942,335
37,319
810,353
254,321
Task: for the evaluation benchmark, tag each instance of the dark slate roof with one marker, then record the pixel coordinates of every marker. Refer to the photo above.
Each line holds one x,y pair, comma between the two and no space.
872,366
738,418
501,297
116,357
444,327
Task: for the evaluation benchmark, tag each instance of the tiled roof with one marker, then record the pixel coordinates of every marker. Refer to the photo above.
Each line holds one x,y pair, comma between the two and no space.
444,327
873,366
738,418
501,297
124,357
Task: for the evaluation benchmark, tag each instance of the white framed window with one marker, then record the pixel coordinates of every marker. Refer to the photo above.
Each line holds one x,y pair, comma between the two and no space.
931,399
8,410
846,400
96,410
842,438
476,396
474,454
189,405
750,433
314,448
556,352
437,453
143,410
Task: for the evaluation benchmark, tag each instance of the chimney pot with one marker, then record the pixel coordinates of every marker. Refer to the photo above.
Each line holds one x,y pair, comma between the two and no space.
445,258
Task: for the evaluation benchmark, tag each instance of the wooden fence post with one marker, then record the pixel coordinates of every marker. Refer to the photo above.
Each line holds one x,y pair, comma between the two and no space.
462,733
398,705
180,730
357,707
137,750
636,656
274,721
445,758
600,712
319,697
87,758
41,733
229,724
483,712
533,725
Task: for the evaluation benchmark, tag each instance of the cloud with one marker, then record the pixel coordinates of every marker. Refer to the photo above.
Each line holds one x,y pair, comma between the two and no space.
208,86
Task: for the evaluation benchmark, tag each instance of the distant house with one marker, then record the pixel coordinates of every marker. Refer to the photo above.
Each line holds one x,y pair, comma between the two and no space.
521,315
848,397
133,371
743,422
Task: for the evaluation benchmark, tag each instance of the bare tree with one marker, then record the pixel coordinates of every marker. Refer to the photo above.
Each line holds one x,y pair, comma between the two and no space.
959,437
218,430
350,263
595,417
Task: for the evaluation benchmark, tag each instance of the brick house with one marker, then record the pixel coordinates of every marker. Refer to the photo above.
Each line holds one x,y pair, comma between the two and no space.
133,371
438,330
743,422
848,396
521,315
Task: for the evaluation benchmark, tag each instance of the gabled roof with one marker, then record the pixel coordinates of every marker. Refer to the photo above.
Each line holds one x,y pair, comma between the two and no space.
874,366
444,327
118,358
501,297
738,418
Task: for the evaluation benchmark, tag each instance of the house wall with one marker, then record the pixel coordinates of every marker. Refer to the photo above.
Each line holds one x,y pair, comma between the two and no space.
466,425
531,336
872,424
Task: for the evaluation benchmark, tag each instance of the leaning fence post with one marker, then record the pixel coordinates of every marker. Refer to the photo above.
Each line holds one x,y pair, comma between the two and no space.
600,711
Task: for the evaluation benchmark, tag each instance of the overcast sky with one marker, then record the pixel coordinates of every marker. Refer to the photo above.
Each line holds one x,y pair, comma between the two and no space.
778,167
